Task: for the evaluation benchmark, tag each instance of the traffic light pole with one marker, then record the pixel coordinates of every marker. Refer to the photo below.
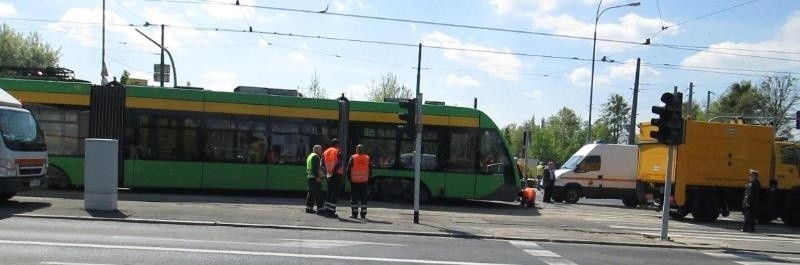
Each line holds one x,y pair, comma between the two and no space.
667,194
418,144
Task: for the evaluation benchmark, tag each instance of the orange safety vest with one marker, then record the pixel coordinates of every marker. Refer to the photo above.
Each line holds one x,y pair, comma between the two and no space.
359,173
331,156
529,195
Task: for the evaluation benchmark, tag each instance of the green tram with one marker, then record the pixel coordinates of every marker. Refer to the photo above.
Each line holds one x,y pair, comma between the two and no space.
199,139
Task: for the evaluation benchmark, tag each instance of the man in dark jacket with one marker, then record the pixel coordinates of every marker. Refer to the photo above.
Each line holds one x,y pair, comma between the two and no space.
548,179
750,202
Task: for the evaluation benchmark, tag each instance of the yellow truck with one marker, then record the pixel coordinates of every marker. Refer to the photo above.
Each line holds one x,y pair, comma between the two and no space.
711,171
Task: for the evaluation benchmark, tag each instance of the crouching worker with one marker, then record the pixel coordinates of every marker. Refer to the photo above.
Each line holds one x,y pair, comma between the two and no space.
527,197
358,172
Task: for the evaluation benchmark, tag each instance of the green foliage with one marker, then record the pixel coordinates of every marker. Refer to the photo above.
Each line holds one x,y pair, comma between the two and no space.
781,96
20,51
614,121
388,88
124,78
740,99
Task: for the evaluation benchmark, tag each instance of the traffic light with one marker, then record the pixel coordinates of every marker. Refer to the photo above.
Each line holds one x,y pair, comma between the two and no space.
670,123
409,117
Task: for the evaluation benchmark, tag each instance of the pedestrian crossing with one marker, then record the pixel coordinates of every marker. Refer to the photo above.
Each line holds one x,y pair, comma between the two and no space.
724,230
546,256
753,258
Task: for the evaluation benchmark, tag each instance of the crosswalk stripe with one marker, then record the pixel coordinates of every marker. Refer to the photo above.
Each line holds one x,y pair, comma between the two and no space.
752,258
552,261
542,253
761,263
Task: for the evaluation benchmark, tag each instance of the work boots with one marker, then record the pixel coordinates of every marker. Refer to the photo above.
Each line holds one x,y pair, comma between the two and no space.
354,214
363,213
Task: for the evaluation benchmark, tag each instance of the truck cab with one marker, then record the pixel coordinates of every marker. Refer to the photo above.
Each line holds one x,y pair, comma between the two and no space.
23,153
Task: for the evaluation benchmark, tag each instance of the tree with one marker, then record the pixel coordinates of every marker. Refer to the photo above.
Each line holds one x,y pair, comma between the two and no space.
387,88
561,137
314,90
20,51
616,118
780,96
124,78
740,99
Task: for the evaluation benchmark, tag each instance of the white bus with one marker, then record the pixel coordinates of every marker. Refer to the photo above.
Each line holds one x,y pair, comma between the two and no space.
23,153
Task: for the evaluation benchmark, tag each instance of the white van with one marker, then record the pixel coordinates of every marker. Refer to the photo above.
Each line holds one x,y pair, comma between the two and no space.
603,171
23,152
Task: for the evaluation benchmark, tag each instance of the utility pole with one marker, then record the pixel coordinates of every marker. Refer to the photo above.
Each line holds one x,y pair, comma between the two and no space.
675,89
162,56
418,140
103,70
691,103
632,129
708,103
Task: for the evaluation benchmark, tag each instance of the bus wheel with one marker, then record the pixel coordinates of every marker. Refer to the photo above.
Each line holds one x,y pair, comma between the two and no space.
424,193
704,208
572,194
679,214
630,201
6,195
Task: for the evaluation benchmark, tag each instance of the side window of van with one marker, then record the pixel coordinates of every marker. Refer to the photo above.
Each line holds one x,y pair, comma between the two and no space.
590,163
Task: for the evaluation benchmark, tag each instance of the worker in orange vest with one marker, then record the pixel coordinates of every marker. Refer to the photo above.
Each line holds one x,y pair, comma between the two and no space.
334,171
358,172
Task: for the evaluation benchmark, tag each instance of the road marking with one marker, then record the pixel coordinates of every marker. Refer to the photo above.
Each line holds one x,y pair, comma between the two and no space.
310,243
238,252
546,256
736,238
550,261
746,258
70,263
765,235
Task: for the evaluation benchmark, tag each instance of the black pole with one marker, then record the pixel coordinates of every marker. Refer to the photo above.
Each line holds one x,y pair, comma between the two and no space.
161,67
632,129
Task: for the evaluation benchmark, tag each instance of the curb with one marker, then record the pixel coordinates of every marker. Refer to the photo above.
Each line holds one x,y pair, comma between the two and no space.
372,231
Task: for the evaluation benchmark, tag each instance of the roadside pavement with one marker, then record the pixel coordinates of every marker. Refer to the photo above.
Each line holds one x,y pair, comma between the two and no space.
463,219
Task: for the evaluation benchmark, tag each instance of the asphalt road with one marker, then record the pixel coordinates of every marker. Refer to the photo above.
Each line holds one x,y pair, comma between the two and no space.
66,242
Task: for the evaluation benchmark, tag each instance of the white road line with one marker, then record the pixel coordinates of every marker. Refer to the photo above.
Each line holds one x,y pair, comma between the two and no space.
70,263
727,238
552,261
525,244
542,253
761,263
237,252
311,243
671,229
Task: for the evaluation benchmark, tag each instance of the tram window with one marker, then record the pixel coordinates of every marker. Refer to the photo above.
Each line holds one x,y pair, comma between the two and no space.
493,156
462,152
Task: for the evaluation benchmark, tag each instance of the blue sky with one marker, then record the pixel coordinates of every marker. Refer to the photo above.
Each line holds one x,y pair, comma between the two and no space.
509,85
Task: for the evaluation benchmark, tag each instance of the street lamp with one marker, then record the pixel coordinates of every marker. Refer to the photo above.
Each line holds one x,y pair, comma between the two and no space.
594,45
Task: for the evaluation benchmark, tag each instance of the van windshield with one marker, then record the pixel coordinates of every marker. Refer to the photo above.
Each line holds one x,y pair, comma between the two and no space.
572,162
20,131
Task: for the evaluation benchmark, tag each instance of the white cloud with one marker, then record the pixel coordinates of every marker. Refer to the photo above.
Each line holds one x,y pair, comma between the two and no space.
348,5
505,66
413,27
299,57
786,39
220,80
627,71
7,10
581,77
535,94
461,81
357,92
523,8
89,35
630,27
262,43
222,10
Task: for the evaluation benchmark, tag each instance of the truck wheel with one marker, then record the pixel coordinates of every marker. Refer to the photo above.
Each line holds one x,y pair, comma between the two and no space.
791,215
705,208
680,214
57,179
6,195
630,201
572,194
766,218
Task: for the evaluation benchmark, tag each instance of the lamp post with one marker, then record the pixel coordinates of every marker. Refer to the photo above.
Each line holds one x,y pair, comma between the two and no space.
594,45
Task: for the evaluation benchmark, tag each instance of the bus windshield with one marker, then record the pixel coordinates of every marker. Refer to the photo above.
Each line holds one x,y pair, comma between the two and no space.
20,131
